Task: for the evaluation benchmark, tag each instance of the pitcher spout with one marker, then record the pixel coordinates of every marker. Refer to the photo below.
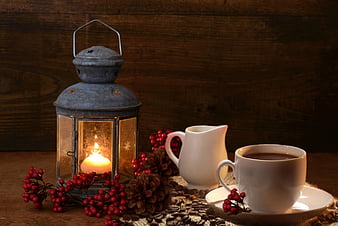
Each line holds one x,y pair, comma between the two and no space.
223,128
219,131
206,129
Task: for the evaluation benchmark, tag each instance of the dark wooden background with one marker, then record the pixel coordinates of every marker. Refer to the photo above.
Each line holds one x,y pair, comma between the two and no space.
268,69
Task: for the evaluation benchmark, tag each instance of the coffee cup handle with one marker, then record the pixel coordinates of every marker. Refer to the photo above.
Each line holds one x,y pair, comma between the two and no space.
218,171
168,148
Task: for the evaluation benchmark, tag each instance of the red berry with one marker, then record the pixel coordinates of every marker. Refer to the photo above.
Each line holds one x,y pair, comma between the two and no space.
100,203
236,197
52,191
26,181
37,205
123,202
116,211
106,196
147,171
85,202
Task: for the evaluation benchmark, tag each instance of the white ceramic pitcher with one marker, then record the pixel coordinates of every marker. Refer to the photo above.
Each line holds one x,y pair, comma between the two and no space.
203,147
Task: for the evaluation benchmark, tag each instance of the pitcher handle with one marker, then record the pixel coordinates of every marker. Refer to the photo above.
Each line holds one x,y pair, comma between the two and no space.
218,171
167,145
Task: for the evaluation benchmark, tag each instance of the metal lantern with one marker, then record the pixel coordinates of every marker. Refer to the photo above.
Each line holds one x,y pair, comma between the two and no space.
97,119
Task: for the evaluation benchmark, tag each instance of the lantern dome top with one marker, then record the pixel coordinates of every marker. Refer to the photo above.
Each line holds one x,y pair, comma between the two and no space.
97,95
83,99
98,56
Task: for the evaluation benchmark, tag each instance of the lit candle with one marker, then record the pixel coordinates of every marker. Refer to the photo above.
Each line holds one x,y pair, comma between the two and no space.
96,162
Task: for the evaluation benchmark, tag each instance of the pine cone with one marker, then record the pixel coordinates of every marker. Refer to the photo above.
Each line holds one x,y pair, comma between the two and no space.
148,193
159,162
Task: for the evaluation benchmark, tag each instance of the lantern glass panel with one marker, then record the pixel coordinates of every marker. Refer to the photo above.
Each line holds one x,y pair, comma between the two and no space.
64,147
95,142
127,145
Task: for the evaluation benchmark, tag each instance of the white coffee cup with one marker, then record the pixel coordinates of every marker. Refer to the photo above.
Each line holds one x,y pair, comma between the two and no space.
271,185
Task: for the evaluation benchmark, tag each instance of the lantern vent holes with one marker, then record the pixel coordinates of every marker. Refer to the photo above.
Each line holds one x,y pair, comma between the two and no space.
78,71
90,51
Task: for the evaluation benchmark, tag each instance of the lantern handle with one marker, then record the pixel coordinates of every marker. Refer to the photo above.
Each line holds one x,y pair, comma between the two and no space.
90,22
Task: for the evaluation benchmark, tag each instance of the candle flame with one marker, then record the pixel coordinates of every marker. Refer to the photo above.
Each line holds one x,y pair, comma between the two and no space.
96,147
96,150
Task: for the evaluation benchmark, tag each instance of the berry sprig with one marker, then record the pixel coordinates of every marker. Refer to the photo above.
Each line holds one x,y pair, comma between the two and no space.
106,176
234,204
82,181
107,202
61,195
36,190
158,139
138,164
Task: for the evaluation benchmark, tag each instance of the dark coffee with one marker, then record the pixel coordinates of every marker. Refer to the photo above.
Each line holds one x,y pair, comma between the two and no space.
270,156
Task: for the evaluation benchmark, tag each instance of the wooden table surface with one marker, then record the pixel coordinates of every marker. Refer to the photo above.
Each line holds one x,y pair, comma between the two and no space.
322,172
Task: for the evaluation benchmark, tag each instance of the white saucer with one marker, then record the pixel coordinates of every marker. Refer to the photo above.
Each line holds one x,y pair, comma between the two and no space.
312,202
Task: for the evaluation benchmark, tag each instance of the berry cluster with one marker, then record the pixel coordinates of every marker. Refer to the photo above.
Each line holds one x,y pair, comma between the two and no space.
109,221
59,196
36,190
83,181
234,204
138,164
158,139
110,201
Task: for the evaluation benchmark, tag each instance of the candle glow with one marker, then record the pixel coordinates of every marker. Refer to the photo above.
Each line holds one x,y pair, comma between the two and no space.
96,162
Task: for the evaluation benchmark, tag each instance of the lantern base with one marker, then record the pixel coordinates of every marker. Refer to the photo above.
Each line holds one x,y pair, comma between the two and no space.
93,190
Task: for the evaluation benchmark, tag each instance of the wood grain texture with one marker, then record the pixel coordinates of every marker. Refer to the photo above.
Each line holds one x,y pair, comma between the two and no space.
268,69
